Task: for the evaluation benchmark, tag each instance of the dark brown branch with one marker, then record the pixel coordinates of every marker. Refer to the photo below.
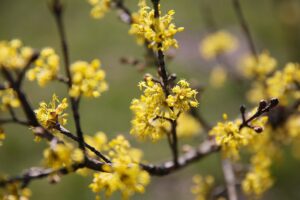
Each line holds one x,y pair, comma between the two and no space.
205,149
263,108
57,10
244,25
67,133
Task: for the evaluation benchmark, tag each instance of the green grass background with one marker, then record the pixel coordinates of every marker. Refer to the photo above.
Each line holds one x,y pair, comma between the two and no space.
108,40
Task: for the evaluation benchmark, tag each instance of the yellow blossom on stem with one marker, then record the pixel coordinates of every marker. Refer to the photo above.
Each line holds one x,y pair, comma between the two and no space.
202,186
217,43
51,114
153,111
14,191
258,67
46,67
62,155
153,30
99,8
231,138
13,55
183,97
124,174
88,79
258,179
9,98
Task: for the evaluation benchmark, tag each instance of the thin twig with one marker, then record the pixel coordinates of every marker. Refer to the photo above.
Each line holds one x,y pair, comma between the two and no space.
57,10
244,25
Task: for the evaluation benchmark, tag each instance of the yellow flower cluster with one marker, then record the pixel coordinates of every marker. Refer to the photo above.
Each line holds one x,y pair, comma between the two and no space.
258,179
125,173
51,114
14,55
216,44
9,98
88,79
13,191
182,97
62,155
202,187
187,125
283,84
228,135
218,77
100,8
2,135
46,67
155,31
153,111
259,67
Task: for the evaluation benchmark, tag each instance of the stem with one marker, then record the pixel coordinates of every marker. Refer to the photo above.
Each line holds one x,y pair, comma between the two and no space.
244,25
57,10
229,179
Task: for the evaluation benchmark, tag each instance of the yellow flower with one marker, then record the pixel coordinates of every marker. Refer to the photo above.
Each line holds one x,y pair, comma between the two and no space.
46,67
259,67
258,179
182,97
216,44
202,186
50,114
228,135
154,30
14,191
153,111
187,125
13,55
100,8
218,77
88,79
9,98
2,135
62,155
125,173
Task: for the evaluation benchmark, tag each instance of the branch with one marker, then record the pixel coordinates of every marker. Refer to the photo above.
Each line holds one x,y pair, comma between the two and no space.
229,179
57,10
244,25
67,133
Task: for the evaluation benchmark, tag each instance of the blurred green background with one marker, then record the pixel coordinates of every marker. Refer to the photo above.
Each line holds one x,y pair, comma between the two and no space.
273,26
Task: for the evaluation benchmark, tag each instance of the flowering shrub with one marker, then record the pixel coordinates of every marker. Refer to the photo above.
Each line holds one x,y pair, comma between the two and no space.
167,109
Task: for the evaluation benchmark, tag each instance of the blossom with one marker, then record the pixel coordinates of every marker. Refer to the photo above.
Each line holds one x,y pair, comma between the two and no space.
14,191
9,98
182,97
258,179
217,43
13,55
124,174
62,155
153,30
88,79
218,77
187,125
231,138
259,66
202,186
46,67
2,135
51,114
100,8
153,111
